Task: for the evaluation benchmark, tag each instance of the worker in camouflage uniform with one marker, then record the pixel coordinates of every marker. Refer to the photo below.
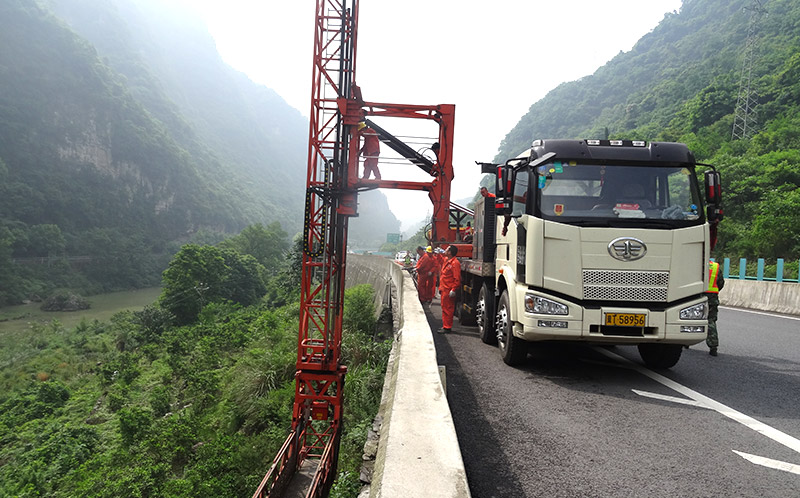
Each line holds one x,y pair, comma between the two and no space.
715,283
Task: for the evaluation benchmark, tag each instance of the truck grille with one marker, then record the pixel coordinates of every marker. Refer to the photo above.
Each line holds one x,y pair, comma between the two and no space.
608,285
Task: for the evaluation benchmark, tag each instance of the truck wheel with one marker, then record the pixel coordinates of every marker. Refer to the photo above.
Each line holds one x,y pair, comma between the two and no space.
484,313
514,349
660,355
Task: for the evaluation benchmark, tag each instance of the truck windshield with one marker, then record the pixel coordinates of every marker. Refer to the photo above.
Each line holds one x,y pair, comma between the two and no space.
595,194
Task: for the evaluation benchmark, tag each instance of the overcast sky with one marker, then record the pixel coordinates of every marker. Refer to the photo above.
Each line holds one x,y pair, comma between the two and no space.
491,59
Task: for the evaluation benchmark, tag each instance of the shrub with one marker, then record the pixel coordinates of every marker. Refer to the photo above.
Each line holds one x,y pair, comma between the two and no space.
359,309
133,424
160,400
65,302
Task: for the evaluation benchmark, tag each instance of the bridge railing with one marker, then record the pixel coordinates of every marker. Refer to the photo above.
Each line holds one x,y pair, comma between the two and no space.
777,272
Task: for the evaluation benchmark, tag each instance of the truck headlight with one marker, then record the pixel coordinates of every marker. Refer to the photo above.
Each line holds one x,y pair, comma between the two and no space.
696,312
542,306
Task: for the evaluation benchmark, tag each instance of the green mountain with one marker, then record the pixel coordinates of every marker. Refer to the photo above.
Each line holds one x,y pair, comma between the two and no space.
680,82
245,124
171,65
123,135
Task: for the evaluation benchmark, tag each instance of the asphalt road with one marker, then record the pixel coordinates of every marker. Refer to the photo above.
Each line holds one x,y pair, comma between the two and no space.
579,421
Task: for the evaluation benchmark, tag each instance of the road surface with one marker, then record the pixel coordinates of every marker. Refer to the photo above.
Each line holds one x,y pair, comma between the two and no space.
580,421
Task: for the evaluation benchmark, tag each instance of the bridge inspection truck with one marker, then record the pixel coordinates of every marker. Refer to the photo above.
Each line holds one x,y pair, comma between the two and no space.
597,241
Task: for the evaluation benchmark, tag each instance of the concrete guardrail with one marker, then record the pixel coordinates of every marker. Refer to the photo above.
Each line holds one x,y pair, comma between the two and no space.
778,297
418,452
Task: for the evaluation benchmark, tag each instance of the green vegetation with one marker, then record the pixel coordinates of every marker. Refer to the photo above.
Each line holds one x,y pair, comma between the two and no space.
110,162
366,355
162,402
680,83
129,154
124,136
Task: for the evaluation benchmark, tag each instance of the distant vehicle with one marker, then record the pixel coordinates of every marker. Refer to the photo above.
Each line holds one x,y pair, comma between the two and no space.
401,256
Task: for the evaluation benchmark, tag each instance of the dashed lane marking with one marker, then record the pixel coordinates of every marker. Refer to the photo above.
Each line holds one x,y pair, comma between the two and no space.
768,462
672,399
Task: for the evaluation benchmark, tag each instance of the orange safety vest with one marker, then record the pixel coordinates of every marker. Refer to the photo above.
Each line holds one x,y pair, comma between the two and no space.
713,272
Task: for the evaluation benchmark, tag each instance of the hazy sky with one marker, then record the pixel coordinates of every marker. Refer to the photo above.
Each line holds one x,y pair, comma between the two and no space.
491,59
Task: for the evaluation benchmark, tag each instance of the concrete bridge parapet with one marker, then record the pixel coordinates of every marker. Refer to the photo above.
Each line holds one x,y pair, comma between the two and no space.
418,452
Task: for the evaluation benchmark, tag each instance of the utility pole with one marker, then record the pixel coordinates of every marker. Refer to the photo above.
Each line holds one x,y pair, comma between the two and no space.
744,120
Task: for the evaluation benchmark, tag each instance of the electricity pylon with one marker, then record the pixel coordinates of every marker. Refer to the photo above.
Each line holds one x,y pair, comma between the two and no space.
744,120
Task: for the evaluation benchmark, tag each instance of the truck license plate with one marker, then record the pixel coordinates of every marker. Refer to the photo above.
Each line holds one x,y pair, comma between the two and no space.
625,319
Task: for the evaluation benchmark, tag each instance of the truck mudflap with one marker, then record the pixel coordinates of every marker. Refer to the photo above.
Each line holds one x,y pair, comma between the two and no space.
609,324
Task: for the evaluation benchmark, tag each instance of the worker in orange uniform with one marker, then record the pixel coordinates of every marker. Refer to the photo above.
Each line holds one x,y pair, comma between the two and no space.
485,193
425,275
370,150
449,284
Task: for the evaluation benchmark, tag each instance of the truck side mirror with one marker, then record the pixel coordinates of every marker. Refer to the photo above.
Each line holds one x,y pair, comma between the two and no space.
487,168
504,187
713,188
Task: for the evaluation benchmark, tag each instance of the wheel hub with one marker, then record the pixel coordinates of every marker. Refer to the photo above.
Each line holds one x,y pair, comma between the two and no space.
501,324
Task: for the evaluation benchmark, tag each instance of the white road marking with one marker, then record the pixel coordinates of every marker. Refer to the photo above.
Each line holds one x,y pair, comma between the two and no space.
774,315
768,462
672,399
760,427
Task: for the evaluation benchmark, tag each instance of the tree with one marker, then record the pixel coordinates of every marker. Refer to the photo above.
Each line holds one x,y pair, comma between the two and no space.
775,233
359,310
268,245
245,278
284,287
45,240
199,275
7,291
193,278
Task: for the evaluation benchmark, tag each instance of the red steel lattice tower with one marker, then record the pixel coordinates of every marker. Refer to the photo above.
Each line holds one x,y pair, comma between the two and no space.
319,381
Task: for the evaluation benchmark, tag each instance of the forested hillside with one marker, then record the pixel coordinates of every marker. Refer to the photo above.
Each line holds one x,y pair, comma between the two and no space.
124,135
680,83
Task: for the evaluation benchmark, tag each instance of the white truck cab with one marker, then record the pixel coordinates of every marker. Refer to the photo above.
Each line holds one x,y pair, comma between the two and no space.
603,242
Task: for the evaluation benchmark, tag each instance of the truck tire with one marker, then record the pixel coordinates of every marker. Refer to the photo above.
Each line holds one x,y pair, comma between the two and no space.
484,314
660,356
514,349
